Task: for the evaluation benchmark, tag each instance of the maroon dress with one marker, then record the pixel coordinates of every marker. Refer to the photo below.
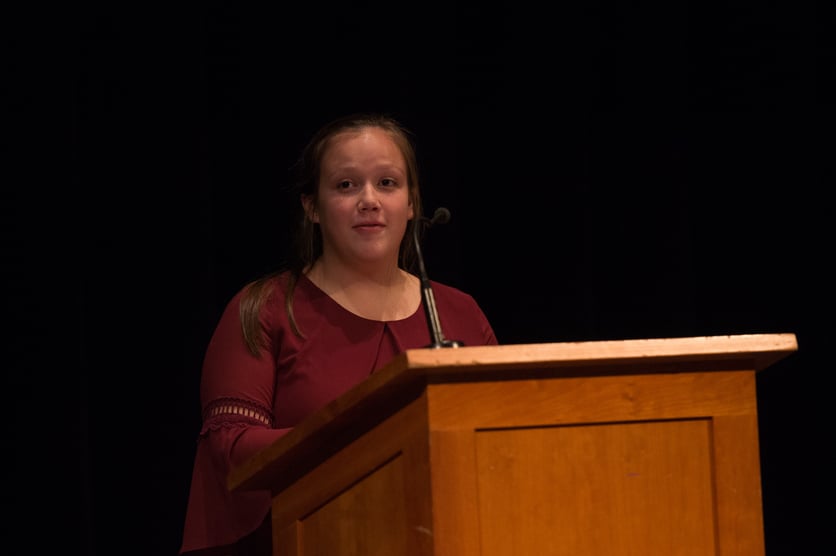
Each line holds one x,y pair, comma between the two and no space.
248,402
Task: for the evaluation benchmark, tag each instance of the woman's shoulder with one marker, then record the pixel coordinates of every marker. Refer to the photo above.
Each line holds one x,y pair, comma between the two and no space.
451,294
255,295
463,316
267,285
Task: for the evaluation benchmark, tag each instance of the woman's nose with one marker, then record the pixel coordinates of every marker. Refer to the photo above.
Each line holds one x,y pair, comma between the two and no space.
368,198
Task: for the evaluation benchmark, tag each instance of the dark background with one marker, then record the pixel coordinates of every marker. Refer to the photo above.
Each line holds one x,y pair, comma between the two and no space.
614,171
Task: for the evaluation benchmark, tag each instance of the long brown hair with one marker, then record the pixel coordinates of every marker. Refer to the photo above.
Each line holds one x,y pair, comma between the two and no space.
307,237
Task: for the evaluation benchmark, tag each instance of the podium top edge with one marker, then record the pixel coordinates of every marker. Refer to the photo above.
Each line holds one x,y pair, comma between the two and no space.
765,349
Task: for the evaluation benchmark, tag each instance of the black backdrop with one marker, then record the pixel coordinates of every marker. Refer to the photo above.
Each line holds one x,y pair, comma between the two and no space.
613,172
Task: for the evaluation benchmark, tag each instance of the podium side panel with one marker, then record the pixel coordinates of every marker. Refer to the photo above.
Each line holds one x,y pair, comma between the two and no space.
368,517
370,498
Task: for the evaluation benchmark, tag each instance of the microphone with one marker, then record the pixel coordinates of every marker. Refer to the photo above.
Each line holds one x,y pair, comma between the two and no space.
440,216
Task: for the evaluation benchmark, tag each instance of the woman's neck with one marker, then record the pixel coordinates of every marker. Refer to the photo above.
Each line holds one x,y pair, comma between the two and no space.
374,293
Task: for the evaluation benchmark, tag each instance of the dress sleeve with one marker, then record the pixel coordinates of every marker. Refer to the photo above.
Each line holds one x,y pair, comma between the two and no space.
236,393
237,388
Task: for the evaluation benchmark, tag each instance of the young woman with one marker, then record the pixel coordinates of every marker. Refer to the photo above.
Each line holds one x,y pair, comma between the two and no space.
289,343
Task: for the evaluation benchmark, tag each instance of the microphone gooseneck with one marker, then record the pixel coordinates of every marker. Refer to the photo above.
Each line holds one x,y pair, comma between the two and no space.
441,216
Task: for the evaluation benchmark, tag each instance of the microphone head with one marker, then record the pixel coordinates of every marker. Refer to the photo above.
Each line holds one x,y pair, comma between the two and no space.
440,216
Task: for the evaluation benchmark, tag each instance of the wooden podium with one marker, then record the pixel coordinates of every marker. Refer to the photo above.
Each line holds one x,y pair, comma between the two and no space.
634,447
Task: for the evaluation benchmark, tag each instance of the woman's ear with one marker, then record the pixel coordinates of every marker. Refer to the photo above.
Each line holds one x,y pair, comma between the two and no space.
309,207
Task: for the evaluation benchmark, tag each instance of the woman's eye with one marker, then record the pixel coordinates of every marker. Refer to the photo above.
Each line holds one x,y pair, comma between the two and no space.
345,184
388,182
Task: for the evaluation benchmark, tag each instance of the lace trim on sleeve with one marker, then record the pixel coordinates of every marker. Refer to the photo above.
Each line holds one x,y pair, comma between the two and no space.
228,410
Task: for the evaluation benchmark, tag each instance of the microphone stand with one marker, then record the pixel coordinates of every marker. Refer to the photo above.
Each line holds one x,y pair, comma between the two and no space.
437,336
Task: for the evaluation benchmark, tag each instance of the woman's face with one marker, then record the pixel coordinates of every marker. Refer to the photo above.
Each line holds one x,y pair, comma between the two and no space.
363,206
